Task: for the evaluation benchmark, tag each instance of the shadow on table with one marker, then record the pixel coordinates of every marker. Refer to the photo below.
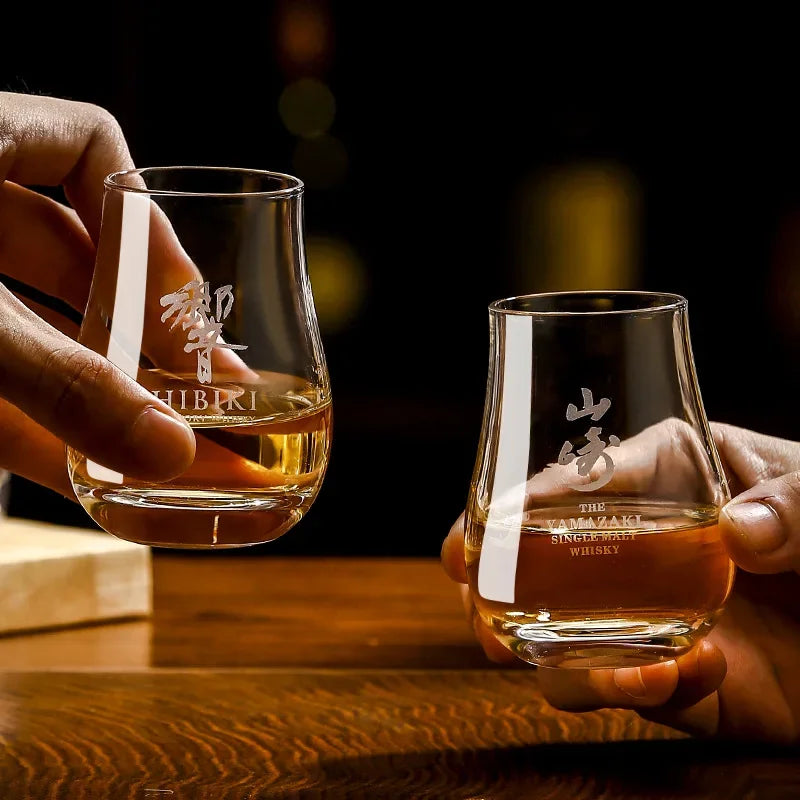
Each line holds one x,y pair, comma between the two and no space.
644,770
658,770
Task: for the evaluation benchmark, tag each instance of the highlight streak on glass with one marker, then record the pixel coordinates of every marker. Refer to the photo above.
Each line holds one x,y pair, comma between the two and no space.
125,341
498,564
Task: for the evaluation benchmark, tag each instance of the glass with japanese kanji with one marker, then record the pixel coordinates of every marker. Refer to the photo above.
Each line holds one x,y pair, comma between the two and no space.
201,295
591,526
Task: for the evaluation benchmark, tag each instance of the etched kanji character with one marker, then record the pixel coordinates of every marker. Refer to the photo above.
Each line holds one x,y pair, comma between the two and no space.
188,305
596,410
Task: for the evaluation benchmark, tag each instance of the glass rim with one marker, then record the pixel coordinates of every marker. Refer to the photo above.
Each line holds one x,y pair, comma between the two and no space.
659,302
294,186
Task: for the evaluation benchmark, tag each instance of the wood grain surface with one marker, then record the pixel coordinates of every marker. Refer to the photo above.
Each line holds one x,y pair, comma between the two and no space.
361,734
316,612
234,611
320,678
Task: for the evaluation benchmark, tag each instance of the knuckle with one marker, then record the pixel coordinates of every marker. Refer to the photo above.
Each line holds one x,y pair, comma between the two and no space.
721,433
106,126
792,482
78,374
8,142
760,469
101,118
7,137
95,123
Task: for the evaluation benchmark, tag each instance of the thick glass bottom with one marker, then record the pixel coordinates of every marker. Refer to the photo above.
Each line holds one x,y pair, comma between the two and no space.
584,643
194,519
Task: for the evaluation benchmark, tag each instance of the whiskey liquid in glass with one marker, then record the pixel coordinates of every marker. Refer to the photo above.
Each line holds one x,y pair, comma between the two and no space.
200,293
591,525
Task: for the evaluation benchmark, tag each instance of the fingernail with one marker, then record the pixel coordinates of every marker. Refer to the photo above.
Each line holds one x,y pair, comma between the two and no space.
629,680
157,438
757,524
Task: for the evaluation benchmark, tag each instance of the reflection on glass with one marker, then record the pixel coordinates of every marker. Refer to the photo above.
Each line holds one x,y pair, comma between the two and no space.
592,521
201,295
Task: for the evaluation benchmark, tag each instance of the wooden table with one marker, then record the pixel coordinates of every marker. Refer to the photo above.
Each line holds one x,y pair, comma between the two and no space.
305,678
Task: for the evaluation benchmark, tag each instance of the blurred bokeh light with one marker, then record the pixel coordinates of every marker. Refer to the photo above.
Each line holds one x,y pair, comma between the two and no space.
304,36
579,228
307,107
338,280
452,159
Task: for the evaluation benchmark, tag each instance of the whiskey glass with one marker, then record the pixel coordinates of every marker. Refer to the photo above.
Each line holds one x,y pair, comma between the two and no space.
591,524
200,294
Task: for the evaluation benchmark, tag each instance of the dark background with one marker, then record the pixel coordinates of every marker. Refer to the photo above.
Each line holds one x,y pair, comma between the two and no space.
457,140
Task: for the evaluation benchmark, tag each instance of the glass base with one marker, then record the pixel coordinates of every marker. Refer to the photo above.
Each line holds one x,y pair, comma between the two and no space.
603,643
191,499
194,519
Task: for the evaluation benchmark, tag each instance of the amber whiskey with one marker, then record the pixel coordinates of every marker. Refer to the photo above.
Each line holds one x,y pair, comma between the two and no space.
262,450
611,582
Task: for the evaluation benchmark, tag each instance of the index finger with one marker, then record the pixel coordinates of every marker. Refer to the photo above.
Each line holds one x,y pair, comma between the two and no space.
49,141
46,141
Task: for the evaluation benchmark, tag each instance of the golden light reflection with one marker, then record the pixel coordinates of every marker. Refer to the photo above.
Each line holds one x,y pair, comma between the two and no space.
579,229
338,279
307,107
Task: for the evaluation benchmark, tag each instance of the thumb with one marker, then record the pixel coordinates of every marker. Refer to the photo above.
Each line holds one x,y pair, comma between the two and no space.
87,402
761,527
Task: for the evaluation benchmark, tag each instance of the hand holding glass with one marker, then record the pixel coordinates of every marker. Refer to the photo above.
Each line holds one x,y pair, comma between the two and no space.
200,293
591,526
